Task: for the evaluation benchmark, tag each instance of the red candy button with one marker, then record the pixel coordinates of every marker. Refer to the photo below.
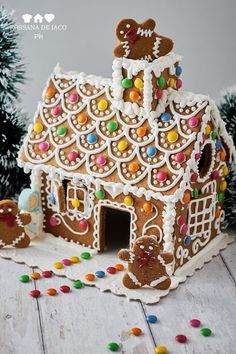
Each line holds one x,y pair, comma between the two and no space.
181,338
35,293
65,289
47,274
194,323
111,270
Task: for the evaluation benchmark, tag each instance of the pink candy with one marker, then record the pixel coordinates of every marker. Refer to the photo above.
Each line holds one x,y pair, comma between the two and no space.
83,225
194,177
101,160
179,157
178,83
44,146
161,176
184,229
66,262
194,323
56,111
193,122
72,156
73,98
159,94
53,221
181,220
215,175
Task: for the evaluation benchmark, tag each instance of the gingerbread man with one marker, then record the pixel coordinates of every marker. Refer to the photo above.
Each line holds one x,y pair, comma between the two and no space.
146,264
139,41
12,225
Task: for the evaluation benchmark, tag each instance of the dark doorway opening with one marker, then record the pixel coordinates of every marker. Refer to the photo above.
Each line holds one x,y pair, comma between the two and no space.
115,228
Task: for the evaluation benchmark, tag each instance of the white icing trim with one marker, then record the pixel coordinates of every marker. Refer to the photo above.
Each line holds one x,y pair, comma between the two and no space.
169,216
134,279
155,226
18,239
158,281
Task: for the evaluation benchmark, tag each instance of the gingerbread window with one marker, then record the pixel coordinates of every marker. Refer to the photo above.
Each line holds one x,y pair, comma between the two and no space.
57,196
76,198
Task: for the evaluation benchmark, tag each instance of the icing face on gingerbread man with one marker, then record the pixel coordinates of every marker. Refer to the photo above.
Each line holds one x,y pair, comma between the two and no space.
146,265
139,41
12,225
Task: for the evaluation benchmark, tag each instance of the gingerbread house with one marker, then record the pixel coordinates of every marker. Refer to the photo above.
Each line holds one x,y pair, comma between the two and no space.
133,154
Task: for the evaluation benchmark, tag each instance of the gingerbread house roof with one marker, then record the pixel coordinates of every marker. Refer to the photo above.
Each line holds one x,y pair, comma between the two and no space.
78,133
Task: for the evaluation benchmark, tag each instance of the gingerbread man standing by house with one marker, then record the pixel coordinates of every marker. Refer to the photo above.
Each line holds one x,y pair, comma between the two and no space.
12,223
146,264
140,41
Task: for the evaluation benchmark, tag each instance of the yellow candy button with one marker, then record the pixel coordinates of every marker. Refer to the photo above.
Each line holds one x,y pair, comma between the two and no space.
75,202
102,105
58,265
223,186
225,171
128,201
172,83
38,127
138,83
74,259
161,349
172,136
122,145
208,129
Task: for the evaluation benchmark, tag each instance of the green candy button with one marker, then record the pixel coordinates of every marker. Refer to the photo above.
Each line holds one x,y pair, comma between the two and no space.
220,197
112,126
127,83
100,194
195,193
24,278
113,346
206,332
78,284
61,131
213,135
161,81
85,255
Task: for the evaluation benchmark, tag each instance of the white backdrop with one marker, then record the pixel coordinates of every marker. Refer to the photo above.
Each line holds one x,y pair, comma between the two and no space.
203,31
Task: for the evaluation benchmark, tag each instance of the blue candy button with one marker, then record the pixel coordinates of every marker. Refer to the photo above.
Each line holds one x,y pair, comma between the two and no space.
165,117
187,240
151,318
178,70
92,138
151,151
218,144
52,198
100,274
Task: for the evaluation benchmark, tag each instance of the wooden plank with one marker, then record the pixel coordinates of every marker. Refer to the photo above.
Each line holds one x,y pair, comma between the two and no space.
210,296
19,323
86,320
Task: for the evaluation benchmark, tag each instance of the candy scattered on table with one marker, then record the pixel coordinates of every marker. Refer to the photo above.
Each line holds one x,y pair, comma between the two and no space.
114,347
161,349
66,262
206,332
47,274
181,338
100,274
58,265
78,284
51,291
136,331
35,293
74,259
194,322
119,267
24,278
111,270
85,255
35,275
90,277
151,318
64,288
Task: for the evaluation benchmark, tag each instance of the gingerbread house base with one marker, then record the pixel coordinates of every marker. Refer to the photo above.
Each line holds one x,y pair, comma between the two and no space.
46,250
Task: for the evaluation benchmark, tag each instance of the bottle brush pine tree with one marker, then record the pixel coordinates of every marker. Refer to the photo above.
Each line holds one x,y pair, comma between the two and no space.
12,128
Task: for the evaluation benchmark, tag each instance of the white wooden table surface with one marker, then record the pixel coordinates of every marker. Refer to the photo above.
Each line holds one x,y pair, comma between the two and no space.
86,320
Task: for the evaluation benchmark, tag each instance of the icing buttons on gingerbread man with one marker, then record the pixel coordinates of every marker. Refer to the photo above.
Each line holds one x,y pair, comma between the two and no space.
140,41
146,264
12,223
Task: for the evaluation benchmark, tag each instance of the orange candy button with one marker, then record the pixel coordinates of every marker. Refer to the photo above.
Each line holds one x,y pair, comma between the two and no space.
187,197
51,291
223,155
217,214
147,207
133,167
89,277
141,131
134,96
50,92
136,331
82,119
35,275
119,267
